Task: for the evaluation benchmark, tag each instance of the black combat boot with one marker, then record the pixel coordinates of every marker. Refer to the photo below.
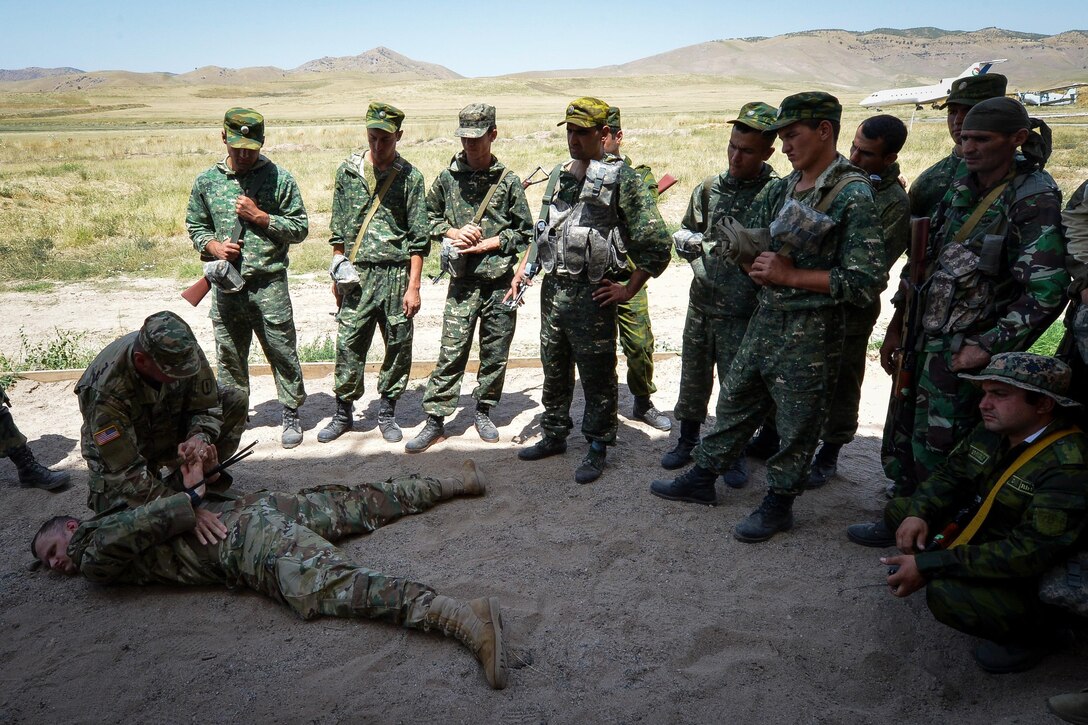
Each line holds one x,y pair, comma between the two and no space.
645,411
737,475
774,514
543,448
34,474
432,433
680,456
764,443
695,485
340,424
593,464
387,420
825,464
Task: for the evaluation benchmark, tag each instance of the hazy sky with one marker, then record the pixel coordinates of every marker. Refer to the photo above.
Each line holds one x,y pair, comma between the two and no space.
485,38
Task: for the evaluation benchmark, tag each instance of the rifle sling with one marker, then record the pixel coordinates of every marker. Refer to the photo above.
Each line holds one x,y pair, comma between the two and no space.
1030,452
973,220
487,199
545,202
375,203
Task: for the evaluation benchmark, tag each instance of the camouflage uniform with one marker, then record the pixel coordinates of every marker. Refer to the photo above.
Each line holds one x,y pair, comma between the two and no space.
11,439
1074,346
722,296
633,319
278,544
1028,293
396,233
263,306
790,353
929,188
132,428
576,330
453,201
988,587
842,417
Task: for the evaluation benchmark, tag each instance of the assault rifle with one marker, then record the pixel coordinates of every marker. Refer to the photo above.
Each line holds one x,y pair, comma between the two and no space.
899,425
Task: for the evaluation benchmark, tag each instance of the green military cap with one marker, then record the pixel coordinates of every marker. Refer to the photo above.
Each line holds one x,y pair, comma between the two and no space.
170,343
1003,115
475,120
612,120
974,89
757,115
1047,375
244,128
384,117
586,112
815,105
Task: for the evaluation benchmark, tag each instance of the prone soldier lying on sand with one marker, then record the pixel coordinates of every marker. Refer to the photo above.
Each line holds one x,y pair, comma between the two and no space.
280,544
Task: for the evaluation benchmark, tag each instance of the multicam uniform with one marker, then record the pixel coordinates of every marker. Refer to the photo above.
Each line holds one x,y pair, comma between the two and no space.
278,544
842,417
988,587
132,428
477,294
1003,310
722,297
263,306
397,231
790,353
633,319
575,329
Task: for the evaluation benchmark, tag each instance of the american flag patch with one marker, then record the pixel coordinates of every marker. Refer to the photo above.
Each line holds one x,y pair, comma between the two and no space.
107,434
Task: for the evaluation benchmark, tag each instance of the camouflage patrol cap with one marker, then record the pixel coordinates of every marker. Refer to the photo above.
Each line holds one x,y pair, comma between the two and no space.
974,89
612,120
1047,375
757,115
384,117
815,105
244,128
170,343
475,120
586,112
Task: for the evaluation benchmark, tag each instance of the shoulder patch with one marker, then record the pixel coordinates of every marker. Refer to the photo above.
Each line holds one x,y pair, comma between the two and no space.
1068,452
107,434
979,455
1022,485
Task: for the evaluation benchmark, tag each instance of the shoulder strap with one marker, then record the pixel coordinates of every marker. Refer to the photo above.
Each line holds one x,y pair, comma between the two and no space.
827,199
374,204
549,191
708,182
1030,452
487,199
972,221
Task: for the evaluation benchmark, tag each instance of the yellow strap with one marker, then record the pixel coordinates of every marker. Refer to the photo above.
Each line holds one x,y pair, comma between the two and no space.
1030,452
972,221
373,210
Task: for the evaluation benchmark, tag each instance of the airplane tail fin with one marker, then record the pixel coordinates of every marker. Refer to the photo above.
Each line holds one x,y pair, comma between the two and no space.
980,67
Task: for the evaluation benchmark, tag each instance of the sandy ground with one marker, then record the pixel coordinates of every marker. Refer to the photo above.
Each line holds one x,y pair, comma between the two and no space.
619,607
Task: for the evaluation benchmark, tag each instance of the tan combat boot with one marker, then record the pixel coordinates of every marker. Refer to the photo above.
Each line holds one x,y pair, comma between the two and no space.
471,482
477,624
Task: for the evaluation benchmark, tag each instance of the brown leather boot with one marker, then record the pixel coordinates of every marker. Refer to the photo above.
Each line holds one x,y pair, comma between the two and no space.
477,624
471,482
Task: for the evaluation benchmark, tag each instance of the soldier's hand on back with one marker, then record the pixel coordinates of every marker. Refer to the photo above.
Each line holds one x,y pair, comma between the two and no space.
610,293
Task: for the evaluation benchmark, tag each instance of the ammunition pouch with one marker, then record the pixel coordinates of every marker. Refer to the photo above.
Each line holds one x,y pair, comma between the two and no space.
960,293
344,274
1066,585
224,275
451,260
799,226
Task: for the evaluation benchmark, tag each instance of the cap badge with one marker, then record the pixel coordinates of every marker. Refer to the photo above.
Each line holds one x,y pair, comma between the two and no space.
244,130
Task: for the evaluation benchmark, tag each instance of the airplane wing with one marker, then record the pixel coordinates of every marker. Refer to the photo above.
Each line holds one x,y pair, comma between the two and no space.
1066,87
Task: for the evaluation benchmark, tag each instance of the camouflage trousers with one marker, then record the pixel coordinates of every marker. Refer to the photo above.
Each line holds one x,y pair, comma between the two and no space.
788,358
159,446
1005,611
282,545
11,439
637,340
709,343
575,331
467,302
262,309
377,302
842,417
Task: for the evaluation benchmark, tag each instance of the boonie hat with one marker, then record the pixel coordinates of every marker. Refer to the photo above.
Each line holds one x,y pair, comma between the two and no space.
586,112
475,120
975,89
244,128
815,105
384,117
757,115
1039,373
170,343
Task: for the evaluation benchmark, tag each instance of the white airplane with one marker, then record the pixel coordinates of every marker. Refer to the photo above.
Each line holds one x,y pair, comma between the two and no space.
1050,96
926,94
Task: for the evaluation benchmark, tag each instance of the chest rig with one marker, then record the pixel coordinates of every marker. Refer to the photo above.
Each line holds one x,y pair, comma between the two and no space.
586,237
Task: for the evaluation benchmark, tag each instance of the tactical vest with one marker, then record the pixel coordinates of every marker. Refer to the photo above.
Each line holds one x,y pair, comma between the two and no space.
971,273
586,237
